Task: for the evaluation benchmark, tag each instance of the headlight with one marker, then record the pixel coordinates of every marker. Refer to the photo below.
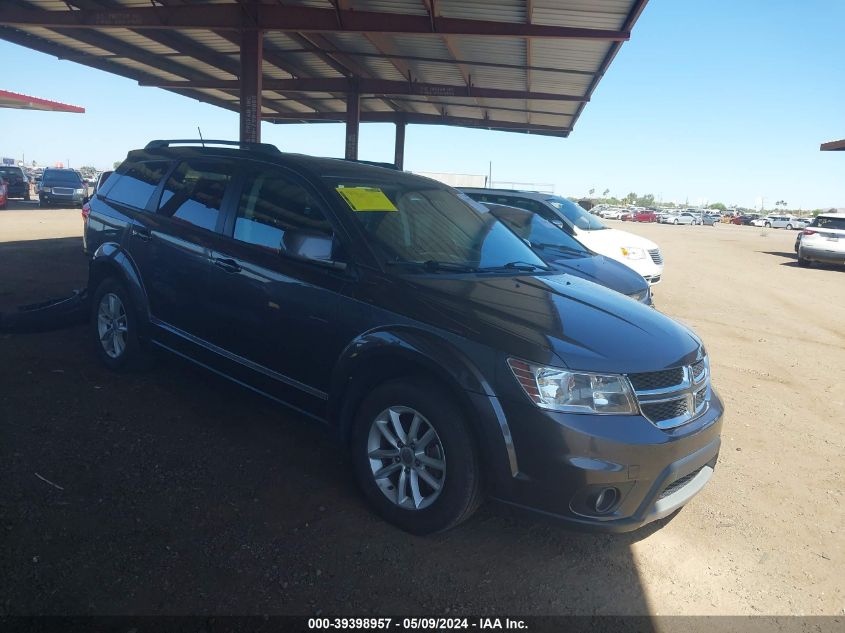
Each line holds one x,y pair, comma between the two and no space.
46,189
633,252
80,191
575,392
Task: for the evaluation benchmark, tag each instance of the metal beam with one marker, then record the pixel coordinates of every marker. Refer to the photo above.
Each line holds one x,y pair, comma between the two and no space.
381,87
422,119
291,18
252,45
353,117
399,147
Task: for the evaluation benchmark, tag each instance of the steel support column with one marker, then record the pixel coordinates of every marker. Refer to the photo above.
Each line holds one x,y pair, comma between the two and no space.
353,118
399,151
252,47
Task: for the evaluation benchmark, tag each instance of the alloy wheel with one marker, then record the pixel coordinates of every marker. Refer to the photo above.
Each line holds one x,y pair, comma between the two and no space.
112,325
407,459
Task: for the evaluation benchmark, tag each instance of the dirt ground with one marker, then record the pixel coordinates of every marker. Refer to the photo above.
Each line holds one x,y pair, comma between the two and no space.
172,492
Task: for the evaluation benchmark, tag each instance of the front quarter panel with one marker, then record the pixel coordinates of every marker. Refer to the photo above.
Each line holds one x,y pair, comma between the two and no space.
458,369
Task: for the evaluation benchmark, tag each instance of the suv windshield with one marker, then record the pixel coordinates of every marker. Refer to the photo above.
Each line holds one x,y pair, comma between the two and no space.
421,224
540,233
69,178
576,215
11,173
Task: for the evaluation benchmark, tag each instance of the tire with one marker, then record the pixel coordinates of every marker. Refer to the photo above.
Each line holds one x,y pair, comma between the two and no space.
767,225
424,403
804,263
789,226
675,222
110,301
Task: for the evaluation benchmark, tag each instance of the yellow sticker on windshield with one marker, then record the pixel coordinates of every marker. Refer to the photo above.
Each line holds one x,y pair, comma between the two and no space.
366,199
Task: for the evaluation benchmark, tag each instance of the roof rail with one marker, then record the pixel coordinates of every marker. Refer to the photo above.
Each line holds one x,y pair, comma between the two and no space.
265,148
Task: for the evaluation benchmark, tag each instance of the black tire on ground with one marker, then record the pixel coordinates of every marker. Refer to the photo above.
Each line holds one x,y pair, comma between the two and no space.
136,355
789,226
462,490
768,226
803,262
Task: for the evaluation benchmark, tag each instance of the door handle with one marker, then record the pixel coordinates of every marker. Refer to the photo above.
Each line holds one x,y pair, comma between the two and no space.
142,233
229,265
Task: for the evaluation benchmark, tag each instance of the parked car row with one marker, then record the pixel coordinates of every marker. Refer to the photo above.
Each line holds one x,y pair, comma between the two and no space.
781,222
439,338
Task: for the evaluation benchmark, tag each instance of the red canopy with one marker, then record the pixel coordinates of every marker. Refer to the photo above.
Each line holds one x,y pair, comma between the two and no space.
25,102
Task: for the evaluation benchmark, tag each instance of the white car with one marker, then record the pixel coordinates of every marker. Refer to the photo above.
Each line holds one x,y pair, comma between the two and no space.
823,240
614,213
764,221
641,255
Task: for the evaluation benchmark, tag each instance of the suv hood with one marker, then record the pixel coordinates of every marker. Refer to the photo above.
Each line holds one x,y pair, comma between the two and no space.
601,270
558,319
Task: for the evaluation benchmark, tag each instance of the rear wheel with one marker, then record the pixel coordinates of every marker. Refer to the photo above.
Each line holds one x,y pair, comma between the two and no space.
414,456
789,226
114,328
803,262
768,225
675,222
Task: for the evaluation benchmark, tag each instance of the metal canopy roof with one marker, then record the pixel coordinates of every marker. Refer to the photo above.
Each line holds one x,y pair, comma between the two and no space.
833,146
25,102
518,65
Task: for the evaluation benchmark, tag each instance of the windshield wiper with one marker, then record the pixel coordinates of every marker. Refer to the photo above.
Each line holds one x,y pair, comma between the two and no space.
516,265
559,247
432,265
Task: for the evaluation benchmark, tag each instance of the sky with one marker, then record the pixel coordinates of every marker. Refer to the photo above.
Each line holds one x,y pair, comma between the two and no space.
719,101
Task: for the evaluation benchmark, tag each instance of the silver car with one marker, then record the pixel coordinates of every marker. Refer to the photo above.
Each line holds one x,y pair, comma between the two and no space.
823,241
680,218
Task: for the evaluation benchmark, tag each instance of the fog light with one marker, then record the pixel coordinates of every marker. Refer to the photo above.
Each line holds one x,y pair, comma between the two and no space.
605,500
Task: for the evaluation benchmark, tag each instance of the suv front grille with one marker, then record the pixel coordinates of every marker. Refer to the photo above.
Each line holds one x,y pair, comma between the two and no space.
656,256
672,397
661,411
657,379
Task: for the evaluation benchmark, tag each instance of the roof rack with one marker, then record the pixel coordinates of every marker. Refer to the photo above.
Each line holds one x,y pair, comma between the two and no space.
265,148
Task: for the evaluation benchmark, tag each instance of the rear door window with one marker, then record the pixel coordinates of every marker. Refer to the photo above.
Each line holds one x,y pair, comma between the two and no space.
135,186
194,192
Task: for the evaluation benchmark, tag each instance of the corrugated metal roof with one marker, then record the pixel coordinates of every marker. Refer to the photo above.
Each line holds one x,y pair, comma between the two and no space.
504,73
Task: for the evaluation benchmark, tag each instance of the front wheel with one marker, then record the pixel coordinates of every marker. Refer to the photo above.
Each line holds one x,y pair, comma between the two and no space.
789,226
768,225
675,222
415,458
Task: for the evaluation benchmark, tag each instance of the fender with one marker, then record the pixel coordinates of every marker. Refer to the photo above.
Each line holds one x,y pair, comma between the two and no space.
111,259
383,347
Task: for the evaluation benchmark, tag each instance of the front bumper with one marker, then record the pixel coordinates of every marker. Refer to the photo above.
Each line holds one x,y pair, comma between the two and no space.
566,460
52,198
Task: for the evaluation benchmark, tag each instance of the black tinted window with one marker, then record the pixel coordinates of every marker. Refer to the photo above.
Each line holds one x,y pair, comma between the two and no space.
829,223
194,192
278,214
135,185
